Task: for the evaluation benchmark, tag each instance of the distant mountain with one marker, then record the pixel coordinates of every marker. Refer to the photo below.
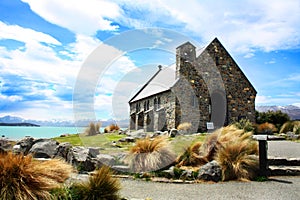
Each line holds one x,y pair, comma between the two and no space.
292,111
12,119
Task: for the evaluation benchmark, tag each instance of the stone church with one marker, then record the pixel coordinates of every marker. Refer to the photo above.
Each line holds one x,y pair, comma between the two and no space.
205,87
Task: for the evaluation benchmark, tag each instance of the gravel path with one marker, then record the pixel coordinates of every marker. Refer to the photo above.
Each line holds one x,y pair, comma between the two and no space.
285,149
278,189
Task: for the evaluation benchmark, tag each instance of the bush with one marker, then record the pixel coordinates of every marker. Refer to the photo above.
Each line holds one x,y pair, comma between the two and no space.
184,126
245,124
266,128
111,128
93,129
100,185
21,177
292,126
150,155
277,118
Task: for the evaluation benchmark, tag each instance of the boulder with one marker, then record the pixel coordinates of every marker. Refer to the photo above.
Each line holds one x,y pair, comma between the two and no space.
44,148
24,145
83,158
62,150
5,144
137,134
105,159
210,172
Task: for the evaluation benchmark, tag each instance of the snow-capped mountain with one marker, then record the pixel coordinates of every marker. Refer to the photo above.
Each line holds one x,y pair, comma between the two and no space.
57,123
291,110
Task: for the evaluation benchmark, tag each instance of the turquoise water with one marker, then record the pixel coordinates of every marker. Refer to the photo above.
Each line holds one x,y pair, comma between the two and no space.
19,132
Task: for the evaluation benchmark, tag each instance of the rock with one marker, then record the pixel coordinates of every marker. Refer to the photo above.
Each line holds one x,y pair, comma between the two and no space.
173,133
24,145
137,134
210,172
292,136
127,139
104,159
62,150
83,158
121,168
5,145
44,148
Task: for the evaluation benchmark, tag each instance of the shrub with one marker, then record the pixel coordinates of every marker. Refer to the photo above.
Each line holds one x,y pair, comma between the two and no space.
292,126
245,124
111,128
184,126
266,128
277,118
100,185
150,155
93,129
23,178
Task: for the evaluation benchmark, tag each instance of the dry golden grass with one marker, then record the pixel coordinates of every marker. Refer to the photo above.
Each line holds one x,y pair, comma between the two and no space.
93,129
150,155
292,126
184,126
237,160
111,128
191,156
100,185
23,178
266,128
233,148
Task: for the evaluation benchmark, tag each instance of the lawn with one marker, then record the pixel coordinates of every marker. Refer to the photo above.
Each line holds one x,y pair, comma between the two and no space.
178,144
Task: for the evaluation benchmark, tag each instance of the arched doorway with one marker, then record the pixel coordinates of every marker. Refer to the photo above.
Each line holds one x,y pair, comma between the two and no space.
141,120
150,122
218,109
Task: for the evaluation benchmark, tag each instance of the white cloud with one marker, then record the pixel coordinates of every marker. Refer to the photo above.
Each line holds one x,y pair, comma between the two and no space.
241,26
82,17
25,35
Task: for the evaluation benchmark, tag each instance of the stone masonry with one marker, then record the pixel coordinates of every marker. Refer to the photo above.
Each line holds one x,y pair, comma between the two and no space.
209,87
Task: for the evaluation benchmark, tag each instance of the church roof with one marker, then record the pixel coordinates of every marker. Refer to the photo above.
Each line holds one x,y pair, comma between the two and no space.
161,81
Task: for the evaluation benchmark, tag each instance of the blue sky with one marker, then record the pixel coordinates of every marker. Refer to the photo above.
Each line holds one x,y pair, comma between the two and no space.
44,44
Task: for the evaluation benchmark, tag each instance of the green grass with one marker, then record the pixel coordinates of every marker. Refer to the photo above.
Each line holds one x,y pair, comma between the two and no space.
178,144
100,140
181,142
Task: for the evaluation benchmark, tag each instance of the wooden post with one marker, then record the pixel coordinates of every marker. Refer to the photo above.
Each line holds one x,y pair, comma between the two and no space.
263,154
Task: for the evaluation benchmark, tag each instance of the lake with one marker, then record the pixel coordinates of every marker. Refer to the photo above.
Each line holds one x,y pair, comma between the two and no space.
19,132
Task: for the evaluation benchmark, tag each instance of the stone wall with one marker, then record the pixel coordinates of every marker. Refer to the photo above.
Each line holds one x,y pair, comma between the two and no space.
155,117
210,88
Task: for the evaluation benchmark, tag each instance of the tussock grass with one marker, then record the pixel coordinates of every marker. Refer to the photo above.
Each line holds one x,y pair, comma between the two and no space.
233,148
93,129
292,126
190,156
184,126
100,185
111,128
237,160
150,155
21,177
266,128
